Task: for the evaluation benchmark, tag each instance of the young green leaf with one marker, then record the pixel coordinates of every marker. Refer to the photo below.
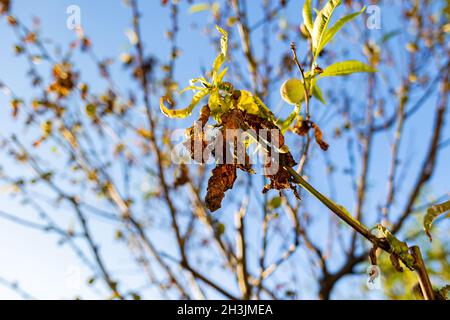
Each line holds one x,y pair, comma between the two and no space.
345,68
317,93
331,32
275,202
388,36
431,215
321,23
307,16
286,123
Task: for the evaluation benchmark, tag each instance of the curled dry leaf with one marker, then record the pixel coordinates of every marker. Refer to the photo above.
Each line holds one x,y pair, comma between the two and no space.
63,80
224,175
319,137
196,137
433,213
302,128
222,179
281,179
183,176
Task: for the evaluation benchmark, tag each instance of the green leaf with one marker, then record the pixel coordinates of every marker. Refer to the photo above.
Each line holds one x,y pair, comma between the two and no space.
307,16
182,113
318,94
345,68
91,110
285,124
199,7
264,111
433,213
388,36
330,33
275,202
135,296
220,229
321,23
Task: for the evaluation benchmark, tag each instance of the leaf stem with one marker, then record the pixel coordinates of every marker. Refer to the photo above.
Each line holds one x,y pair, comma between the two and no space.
340,212
424,279
419,265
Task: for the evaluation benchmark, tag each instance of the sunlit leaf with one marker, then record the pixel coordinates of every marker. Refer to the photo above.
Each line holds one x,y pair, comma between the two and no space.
221,75
223,41
285,124
202,81
331,32
264,111
222,56
214,101
307,16
317,93
195,8
433,213
194,88
247,103
321,23
182,113
345,68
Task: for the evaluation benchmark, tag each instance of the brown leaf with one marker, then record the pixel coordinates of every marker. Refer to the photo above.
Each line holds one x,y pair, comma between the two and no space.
183,177
282,179
196,135
4,6
302,127
319,137
63,79
222,179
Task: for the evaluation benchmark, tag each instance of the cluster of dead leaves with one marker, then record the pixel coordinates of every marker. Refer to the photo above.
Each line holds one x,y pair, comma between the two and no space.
63,79
224,174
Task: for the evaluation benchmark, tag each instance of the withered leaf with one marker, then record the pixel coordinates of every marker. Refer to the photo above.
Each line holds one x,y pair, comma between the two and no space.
183,176
222,179
197,136
302,127
319,137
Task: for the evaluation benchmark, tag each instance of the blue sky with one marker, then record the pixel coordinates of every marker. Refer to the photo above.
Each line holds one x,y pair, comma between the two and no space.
48,270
